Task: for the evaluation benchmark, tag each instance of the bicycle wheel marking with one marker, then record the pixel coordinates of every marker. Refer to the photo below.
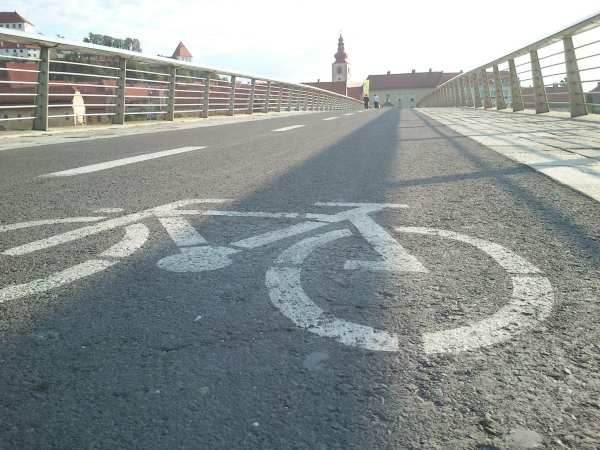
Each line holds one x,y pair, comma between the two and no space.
135,236
286,293
530,303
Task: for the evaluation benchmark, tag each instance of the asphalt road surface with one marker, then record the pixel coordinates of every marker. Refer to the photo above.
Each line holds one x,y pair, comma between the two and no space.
371,281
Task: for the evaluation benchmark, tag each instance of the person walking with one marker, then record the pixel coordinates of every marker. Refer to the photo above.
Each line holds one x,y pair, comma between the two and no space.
366,101
376,101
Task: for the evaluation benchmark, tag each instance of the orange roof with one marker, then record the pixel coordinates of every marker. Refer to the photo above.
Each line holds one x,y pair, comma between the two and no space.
12,17
181,51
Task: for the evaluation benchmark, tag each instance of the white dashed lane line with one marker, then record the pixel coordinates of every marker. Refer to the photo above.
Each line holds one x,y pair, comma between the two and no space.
331,118
119,162
292,127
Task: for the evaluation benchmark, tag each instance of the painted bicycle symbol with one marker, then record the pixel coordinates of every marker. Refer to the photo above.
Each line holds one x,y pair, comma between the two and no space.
529,304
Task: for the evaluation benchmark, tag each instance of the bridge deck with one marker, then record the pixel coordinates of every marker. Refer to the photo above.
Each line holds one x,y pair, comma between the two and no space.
468,319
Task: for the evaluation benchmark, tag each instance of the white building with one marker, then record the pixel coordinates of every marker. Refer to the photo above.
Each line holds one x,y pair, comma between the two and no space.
14,21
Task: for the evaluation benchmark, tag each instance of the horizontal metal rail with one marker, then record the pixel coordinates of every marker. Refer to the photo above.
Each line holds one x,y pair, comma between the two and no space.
130,76
536,91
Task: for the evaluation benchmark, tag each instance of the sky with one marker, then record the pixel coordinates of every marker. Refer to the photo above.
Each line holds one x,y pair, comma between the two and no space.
295,41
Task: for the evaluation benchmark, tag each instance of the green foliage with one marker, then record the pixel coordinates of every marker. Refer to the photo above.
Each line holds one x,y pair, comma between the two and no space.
109,41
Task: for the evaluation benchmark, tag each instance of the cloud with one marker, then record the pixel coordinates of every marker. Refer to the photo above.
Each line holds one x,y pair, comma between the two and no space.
296,40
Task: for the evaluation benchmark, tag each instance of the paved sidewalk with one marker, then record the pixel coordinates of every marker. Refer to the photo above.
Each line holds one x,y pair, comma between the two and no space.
566,150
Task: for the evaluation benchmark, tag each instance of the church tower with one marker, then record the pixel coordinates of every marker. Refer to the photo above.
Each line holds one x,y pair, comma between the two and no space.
340,69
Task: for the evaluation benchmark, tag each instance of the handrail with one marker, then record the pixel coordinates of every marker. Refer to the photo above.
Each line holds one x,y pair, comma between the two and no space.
126,63
21,37
465,89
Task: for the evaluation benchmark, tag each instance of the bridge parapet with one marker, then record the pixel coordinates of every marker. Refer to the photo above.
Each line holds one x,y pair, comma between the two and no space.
73,83
560,72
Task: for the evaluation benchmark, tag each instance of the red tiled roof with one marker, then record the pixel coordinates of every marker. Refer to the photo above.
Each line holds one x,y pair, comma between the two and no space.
409,80
181,51
12,17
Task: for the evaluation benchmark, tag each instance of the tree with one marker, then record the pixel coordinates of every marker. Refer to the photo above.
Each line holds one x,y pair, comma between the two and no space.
109,41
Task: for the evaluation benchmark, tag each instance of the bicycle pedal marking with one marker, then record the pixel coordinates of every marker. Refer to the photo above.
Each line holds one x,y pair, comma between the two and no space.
531,301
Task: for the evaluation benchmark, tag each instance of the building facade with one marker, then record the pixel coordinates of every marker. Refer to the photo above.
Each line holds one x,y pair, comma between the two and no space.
406,89
14,21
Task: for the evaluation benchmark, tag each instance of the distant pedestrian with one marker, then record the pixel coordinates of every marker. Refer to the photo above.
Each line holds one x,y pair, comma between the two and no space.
376,101
366,101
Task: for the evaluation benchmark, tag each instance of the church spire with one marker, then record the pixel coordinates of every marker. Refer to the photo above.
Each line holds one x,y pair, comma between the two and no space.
341,56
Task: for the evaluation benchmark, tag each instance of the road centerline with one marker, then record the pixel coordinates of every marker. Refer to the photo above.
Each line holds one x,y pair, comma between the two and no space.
119,162
291,127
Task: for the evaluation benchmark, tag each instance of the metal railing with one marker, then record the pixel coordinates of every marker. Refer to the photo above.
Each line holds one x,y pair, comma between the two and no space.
71,83
560,72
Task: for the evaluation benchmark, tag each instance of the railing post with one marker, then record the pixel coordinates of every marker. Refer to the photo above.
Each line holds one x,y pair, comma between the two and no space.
206,95
461,93
231,111
170,116
41,100
464,99
119,117
252,93
487,101
541,100
576,97
515,87
268,98
279,97
500,102
476,92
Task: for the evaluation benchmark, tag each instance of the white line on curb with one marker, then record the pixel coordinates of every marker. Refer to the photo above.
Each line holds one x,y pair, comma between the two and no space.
120,162
292,127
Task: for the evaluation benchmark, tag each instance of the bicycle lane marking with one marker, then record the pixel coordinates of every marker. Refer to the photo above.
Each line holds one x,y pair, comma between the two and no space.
135,237
36,223
286,293
119,162
530,303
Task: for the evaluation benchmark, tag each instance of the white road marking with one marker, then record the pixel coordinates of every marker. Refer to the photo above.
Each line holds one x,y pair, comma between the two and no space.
349,114
286,293
292,127
37,223
530,303
69,236
198,259
73,235
135,236
331,118
181,231
120,162
274,236
395,257
55,280
108,210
